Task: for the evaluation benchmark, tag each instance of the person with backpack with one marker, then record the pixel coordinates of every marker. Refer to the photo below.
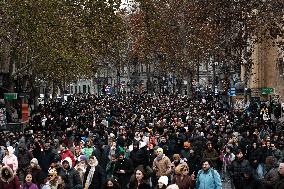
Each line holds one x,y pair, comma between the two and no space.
208,177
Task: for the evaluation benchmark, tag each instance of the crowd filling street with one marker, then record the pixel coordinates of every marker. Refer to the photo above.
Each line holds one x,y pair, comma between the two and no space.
143,141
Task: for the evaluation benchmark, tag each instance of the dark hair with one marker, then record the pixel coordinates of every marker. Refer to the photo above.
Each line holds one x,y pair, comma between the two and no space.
114,181
209,162
239,151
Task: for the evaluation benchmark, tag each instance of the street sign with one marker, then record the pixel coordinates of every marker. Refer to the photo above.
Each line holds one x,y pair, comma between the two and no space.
267,90
10,96
232,91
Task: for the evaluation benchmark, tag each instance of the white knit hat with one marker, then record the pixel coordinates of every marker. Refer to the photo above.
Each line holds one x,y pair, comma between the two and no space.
10,149
35,161
164,180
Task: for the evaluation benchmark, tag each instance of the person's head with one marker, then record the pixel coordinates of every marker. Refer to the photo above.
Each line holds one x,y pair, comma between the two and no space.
121,155
77,150
239,154
186,145
228,149
268,143
52,174
29,178
206,165
10,150
163,182
21,148
182,169
281,169
6,172
67,163
254,145
160,151
113,157
176,157
163,139
111,183
82,159
209,145
140,173
60,180
272,146
135,145
47,146
62,147
34,163
93,161
89,142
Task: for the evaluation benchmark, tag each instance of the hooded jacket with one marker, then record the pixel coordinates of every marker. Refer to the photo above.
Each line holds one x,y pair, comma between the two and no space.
11,159
71,176
9,180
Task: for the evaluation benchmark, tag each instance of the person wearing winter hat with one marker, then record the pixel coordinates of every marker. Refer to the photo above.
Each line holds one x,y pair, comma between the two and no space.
66,152
71,176
8,179
11,159
162,182
81,166
162,165
34,162
36,172
94,176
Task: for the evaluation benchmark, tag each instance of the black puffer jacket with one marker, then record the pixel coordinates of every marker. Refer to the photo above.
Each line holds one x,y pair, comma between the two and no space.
237,169
71,178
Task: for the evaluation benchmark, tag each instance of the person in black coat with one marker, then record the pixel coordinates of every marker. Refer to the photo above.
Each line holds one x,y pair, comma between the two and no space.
139,156
123,170
95,175
70,175
44,155
237,168
254,155
101,152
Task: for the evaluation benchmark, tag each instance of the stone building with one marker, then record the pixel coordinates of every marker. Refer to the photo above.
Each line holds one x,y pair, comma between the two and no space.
267,81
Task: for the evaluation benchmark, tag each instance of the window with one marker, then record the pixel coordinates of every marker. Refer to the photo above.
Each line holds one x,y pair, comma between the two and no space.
84,88
76,89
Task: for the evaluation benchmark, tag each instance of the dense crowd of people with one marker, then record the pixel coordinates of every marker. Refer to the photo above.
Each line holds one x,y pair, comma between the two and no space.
132,141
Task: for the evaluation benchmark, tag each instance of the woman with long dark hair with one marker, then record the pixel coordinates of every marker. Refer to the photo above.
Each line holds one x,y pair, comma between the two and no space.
139,179
111,183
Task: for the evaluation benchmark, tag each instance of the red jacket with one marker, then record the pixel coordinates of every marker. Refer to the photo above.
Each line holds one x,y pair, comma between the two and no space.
68,153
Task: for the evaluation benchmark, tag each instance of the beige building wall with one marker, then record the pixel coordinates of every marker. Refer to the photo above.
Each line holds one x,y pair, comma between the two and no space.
265,70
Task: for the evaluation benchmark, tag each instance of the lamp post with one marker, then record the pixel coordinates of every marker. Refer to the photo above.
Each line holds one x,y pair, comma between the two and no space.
214,83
